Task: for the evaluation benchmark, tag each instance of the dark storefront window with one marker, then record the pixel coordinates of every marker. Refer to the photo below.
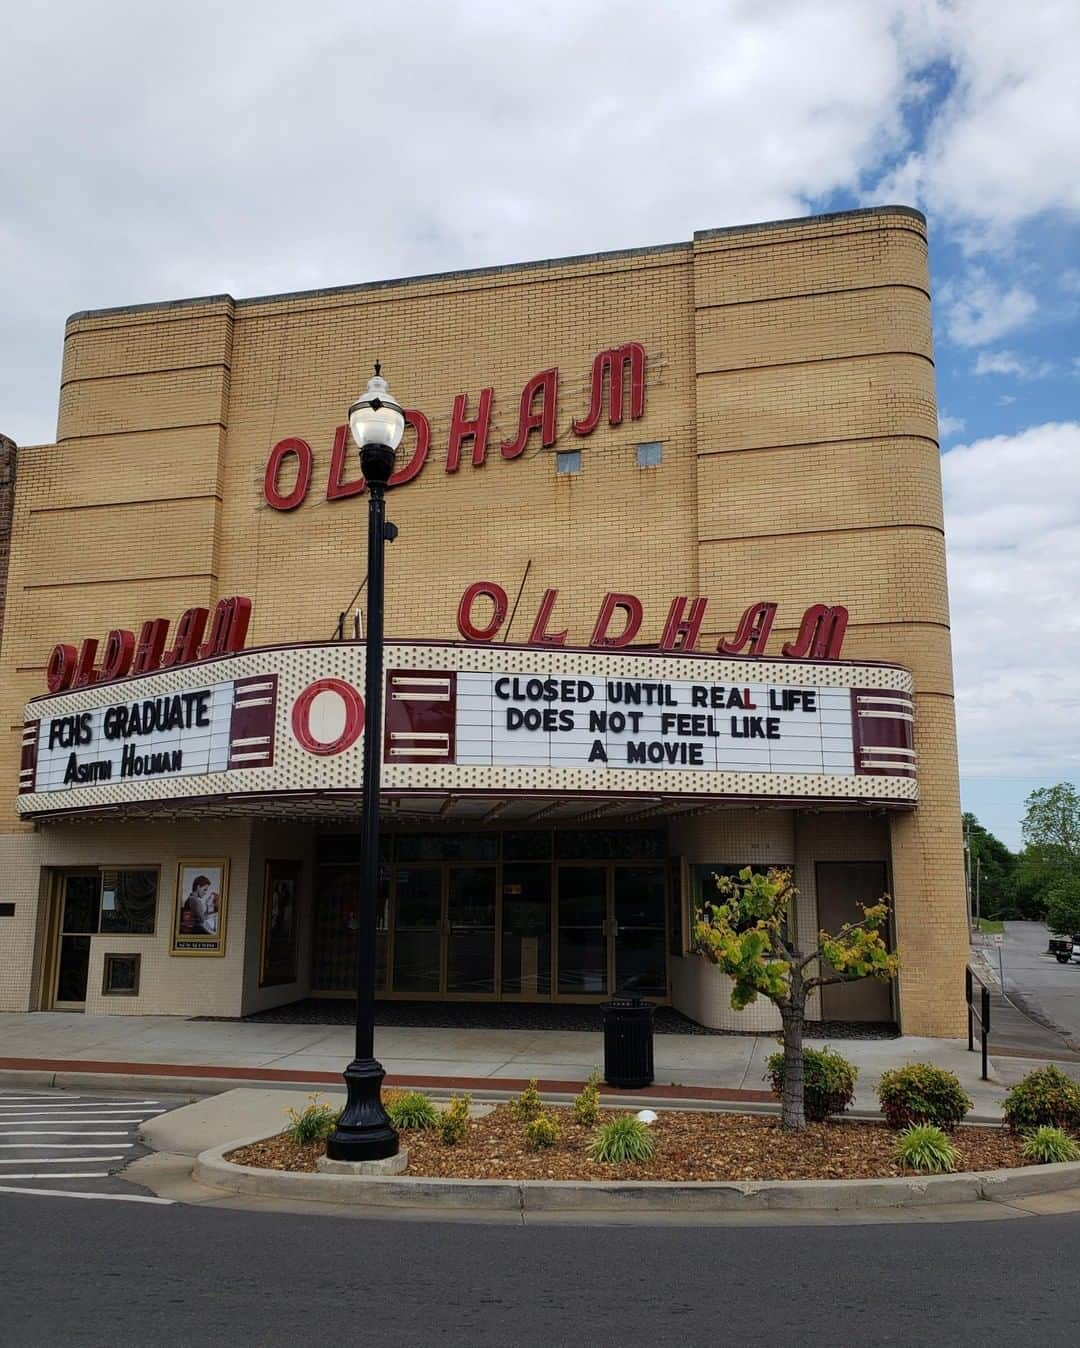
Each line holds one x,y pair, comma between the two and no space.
129,901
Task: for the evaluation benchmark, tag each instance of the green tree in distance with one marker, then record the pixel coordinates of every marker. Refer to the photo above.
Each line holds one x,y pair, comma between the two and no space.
993,869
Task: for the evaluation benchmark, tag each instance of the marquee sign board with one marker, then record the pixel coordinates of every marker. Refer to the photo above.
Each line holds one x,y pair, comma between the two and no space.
465,720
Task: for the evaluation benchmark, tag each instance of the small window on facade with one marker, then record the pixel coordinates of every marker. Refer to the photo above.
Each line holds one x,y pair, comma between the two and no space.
121,977
568,461
128,902
650,454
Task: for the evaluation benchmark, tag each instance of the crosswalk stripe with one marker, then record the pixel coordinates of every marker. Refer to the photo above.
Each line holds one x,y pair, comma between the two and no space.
82,1118
75,1193
62,1174
49,1146
26,1107
76,1111
60,1160
63,1132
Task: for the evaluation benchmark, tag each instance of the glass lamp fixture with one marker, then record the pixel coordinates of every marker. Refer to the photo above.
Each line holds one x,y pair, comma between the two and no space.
377,423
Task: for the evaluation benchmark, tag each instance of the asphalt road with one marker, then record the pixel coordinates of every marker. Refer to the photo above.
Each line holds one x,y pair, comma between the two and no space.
110,1273
1037,982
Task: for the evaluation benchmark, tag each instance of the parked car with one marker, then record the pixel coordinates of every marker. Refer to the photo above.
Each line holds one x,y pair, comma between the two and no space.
1065,948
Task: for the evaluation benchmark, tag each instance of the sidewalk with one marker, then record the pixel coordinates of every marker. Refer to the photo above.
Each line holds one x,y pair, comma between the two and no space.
204,1057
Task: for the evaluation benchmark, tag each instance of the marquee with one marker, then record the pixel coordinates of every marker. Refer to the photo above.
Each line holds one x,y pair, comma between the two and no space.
464,722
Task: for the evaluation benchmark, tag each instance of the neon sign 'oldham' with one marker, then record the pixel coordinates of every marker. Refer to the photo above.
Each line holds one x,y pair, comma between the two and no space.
619,369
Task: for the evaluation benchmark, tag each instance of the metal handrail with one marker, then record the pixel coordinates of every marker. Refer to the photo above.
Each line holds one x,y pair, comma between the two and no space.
982,1015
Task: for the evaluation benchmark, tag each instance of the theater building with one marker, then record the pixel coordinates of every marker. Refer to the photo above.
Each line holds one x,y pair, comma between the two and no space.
668,599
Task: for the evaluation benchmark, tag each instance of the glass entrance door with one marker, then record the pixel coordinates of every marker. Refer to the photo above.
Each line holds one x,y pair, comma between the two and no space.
640,929
80,913
444,930
583,930
470,930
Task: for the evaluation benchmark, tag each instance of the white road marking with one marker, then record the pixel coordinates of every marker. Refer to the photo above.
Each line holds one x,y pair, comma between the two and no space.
6,1124
60,1160
50,1146
73,1193
63,1132
45,1095
76,1111
26,1107
61,1174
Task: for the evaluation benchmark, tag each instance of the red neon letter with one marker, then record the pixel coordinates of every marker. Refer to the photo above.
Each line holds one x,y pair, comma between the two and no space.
354,717
546,383
461,429
466,626
422,426
821,633
538,636
119,653
615,362
287,500
85,673
61,668
151,644
336,490
631,606
189,635
754,628
687,628
228,627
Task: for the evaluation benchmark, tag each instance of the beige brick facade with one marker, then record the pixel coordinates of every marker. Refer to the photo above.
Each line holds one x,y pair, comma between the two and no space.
790,382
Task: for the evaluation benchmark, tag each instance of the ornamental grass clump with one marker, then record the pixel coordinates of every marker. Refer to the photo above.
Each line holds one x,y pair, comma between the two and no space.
828,1082
315,1122
926,1147
528,1104
587,1104
1045,1096
621,1139
411,1110
542,1131
454,1120
921,1093
1049,1146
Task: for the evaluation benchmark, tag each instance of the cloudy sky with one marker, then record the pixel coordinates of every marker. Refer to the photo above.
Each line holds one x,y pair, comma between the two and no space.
151,151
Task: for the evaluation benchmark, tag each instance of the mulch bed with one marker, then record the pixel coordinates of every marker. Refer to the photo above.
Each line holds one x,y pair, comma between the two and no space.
711,1145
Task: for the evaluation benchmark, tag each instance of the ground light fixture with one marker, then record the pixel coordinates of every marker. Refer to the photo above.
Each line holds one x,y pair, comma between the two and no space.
363,1132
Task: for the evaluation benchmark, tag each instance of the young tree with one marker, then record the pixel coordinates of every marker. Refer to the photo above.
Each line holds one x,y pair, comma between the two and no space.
749,933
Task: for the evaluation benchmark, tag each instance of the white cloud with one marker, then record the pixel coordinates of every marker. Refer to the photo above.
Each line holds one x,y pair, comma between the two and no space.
1070,280
978,310
949,426
1008,362
1000,149
1011,506
254,148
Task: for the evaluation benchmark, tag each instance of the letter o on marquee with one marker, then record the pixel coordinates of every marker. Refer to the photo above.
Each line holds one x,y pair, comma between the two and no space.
288,500
328,707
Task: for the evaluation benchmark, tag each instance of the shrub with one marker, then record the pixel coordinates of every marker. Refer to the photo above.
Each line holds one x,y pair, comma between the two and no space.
621,1139
316,1121
528,1104
542,1131
1050,1146
926,1147
922,1093
412,1109
587,1104
1045,1096
454,1120
828,1081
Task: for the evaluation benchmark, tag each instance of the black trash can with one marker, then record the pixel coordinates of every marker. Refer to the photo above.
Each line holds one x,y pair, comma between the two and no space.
628,1043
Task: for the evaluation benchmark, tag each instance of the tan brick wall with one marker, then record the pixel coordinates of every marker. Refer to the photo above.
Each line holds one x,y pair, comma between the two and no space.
790,380
8,456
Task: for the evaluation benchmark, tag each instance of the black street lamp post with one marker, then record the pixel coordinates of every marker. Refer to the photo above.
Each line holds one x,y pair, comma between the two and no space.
364,1133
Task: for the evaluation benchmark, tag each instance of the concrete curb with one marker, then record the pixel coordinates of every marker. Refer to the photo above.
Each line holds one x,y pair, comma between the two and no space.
214,1171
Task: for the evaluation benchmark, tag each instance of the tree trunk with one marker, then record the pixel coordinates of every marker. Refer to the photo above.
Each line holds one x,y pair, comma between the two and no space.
792,1014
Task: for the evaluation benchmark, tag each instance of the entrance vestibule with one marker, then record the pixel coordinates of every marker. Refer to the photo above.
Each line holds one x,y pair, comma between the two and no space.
571,915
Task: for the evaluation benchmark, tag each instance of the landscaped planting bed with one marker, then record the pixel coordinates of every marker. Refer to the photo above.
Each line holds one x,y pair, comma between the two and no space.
705,1145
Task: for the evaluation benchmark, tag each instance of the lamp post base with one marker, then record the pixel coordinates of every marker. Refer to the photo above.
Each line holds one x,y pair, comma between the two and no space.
363,1132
